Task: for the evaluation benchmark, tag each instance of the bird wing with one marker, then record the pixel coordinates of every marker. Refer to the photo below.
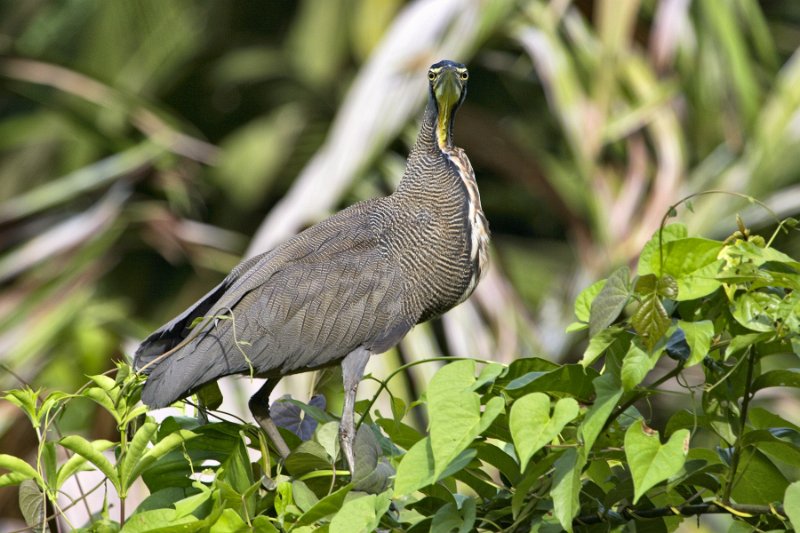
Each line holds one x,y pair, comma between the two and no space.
176,330
303,305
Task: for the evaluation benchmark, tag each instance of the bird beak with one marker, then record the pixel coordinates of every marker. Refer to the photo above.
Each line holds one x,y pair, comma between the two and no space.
447,89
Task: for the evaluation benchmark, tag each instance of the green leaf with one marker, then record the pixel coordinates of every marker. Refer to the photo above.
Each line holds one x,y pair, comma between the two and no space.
778,378
303,497
361,515
450,517
758,480
415,469
262,524
573,380
371,475
238,473
74,463
532,475
650,320
610,302
499,458
742,342
14,478
584,301
531,425
307,457
757,310
160,449
27,400
327,506
599,344
156,520
488,374
752,252
135,450
210,396
791,503
85,449
101,397
455,412
635,366
608,391
493,408
190,504
327,435
230,522
699,283
567,486
650,461
104,382
646,284
19,467
683,257
650,256
766,442
698,337
31,504
48,460
667,287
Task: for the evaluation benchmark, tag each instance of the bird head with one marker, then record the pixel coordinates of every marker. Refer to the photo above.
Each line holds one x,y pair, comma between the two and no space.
448,86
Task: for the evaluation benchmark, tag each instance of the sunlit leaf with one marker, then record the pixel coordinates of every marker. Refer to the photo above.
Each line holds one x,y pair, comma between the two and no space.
567,485
635,366
416,469
18,466
610,301
76,462
85,449
584,301
531,425
791,503
361,515
698,337
650,461
608,391
757,311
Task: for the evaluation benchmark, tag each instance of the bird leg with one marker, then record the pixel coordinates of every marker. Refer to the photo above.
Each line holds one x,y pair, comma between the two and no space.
352,372
259,406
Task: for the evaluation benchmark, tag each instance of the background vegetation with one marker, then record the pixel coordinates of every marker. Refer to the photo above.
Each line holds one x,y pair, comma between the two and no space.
145,142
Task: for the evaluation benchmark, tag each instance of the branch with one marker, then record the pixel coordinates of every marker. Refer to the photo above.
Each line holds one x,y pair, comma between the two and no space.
630,513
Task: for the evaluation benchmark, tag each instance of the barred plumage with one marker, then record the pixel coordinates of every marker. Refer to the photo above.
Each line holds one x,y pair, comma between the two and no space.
350,286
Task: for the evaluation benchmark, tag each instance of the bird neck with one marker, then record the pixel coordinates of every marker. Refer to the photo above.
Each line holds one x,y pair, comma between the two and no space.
429,159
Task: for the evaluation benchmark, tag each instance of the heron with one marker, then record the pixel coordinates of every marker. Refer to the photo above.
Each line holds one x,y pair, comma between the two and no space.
346,288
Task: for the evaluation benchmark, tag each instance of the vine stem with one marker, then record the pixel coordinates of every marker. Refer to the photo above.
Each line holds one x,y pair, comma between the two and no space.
639,395
671,210
737,448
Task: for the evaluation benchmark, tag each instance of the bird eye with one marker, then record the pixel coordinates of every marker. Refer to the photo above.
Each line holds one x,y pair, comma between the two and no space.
464,75
431,75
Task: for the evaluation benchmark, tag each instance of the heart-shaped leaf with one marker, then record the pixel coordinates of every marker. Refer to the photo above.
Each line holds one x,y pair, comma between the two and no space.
650,461
531,425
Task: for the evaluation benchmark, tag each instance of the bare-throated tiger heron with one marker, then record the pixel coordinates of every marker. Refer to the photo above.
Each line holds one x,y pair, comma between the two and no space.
346,288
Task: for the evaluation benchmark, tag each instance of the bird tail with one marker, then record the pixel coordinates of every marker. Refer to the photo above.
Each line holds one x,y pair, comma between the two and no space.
176,370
